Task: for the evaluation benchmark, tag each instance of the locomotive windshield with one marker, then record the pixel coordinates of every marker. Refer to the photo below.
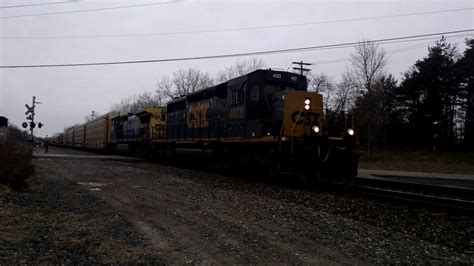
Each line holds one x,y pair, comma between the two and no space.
3,121
281,85
272,87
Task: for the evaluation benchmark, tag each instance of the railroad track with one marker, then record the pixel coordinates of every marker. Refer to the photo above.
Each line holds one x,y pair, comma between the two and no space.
457,198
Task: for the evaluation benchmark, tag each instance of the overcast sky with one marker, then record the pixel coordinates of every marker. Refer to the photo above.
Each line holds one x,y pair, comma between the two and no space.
70,93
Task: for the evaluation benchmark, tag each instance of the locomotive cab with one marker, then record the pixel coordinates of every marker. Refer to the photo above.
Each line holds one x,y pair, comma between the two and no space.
265,100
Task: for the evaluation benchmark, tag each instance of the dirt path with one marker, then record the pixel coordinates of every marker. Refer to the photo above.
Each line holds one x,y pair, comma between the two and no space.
187,222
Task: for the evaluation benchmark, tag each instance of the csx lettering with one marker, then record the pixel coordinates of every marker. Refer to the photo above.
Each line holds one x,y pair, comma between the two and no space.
197,115
308,118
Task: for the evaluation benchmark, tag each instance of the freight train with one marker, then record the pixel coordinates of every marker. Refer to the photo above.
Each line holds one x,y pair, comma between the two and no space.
265,116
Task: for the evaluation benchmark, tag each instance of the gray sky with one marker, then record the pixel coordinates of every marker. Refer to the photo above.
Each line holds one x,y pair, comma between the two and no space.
70,93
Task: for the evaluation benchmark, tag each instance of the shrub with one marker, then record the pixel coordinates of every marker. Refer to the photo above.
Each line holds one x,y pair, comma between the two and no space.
15,164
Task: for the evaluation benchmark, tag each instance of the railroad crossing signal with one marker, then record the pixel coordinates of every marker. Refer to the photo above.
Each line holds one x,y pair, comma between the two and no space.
31,117
34,101
29,109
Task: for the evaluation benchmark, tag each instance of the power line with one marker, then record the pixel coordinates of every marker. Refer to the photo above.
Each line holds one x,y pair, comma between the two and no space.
239,29
279,51
394,51
38,4
228,29
90,10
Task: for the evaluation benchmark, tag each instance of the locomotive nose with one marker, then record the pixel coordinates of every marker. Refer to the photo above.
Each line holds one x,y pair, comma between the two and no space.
303,113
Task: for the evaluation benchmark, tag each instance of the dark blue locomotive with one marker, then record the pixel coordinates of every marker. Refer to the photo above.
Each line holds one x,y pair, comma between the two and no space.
266,116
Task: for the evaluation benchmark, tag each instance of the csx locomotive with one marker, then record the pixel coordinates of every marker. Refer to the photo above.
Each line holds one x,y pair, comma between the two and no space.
265,117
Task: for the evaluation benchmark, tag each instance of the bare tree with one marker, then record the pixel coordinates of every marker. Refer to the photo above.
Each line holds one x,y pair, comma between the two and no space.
138,102
241,67
336,97
368,64
166,88
344,95
323,85
183,83
191,80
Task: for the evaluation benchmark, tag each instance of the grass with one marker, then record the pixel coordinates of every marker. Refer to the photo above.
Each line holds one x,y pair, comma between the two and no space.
15,164
419,161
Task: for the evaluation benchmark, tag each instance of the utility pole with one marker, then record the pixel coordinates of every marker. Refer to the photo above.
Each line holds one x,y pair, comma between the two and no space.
31,117
301,68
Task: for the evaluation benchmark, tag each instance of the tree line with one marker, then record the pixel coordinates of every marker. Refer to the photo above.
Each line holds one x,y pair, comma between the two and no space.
430,108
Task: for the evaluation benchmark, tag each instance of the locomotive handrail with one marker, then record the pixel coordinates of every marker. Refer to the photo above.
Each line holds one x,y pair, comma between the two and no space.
281,134
268,103
297,119
327,154
293,129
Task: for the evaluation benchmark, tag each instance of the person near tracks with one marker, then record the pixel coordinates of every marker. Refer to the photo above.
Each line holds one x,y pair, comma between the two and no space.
46,144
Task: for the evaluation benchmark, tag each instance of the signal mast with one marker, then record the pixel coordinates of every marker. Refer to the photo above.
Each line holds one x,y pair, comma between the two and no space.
31,117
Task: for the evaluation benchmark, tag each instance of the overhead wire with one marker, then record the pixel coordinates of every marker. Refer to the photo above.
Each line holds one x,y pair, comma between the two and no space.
90,10
394,51
233,29
39,4
277,51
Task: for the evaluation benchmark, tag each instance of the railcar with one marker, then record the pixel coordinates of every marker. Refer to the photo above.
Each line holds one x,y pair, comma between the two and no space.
93,135
68,141
97,132
60,139
78,136
56,139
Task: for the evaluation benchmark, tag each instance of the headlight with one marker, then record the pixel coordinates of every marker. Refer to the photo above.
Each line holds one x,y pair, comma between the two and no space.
315,129
307,107
307,101
350,131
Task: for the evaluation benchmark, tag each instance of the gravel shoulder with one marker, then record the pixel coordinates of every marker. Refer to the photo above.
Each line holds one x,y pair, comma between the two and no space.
92,211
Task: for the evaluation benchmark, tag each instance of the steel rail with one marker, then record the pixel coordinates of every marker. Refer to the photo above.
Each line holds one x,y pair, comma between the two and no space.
459,198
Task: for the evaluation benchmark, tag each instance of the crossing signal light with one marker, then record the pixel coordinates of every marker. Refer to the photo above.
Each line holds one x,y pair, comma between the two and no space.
24,125
32,125
40,125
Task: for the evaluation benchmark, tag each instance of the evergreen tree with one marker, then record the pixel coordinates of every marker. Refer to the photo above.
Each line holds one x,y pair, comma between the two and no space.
377,111
430,94
465,71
